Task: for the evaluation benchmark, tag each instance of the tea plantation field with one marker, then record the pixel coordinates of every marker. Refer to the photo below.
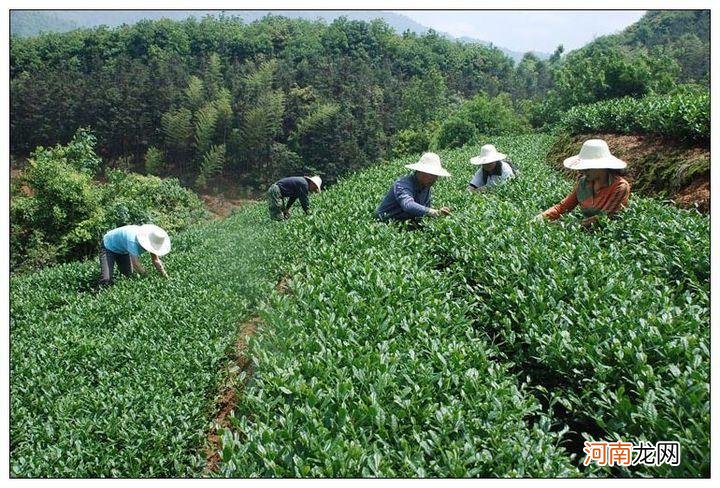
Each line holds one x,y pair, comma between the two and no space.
481,344
122,382
477,345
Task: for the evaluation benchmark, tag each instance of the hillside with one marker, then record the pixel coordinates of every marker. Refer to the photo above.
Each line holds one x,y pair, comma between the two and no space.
462,348
682,35
219,97
29,23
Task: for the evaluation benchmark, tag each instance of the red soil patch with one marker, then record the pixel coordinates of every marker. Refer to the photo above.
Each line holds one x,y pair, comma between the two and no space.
696,195
231,391
227,400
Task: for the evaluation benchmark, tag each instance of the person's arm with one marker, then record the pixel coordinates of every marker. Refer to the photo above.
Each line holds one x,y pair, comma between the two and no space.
303,197
476,183
614,203
290,202
406,200
567,204
136,266
158,265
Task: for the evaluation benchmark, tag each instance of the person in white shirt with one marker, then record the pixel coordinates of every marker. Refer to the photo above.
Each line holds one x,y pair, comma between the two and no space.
494,169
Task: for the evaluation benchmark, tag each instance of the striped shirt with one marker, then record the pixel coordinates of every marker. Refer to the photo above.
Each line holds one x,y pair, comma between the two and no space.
608,200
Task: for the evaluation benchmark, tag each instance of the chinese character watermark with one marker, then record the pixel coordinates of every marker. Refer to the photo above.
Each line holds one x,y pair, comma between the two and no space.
627,454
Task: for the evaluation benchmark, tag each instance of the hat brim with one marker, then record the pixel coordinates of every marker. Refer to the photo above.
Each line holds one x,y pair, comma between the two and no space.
314,183
428,169
477,160
610,162
143,237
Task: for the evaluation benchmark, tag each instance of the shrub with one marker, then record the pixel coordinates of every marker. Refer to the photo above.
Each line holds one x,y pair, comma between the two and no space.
410,141
475,344
684,115
119,384
64,213
494,116
455,132
131,198
79,153
481,115
154,161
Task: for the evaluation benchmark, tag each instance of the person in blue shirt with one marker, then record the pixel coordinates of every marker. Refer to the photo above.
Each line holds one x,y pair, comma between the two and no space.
124,245
293,188
410,197
494,169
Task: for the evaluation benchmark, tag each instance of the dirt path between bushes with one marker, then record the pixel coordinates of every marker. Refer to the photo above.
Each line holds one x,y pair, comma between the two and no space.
234,384
230,392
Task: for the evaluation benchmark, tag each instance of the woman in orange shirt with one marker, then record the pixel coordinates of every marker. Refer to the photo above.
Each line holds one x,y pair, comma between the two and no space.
600,189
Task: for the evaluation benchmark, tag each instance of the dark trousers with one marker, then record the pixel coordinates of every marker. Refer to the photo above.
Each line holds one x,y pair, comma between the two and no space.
107,264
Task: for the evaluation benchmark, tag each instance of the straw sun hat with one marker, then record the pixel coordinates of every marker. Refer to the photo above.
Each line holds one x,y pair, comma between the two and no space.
153,239
315,179
488,154
429,163
594,154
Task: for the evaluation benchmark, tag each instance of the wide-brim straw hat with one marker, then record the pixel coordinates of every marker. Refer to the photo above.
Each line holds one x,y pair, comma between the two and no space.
488,154
315,179
429,163
153,239
594,154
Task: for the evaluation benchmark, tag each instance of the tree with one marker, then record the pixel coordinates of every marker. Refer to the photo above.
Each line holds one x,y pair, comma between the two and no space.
424,100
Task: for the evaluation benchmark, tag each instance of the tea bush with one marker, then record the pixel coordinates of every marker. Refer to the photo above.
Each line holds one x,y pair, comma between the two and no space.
480,344
447,351
121,382
684,115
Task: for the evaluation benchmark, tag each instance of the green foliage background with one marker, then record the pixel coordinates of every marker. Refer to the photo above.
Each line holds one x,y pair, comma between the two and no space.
63,212
289,96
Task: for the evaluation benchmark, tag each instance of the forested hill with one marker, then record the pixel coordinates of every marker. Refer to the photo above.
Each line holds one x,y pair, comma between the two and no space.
271,97
25,23
219,99
71,19
683,36
29,23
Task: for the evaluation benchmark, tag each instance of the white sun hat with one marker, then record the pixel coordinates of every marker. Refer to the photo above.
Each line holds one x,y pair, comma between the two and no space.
488,154
594,154
315,179
429,163
153,239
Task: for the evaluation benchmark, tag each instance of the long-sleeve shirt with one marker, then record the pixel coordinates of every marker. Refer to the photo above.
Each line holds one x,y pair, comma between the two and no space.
608,200
295,188
406,199
501,173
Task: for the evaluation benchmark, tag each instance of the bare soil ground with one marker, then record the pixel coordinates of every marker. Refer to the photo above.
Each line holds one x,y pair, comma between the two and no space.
221,206
232,389
227,399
